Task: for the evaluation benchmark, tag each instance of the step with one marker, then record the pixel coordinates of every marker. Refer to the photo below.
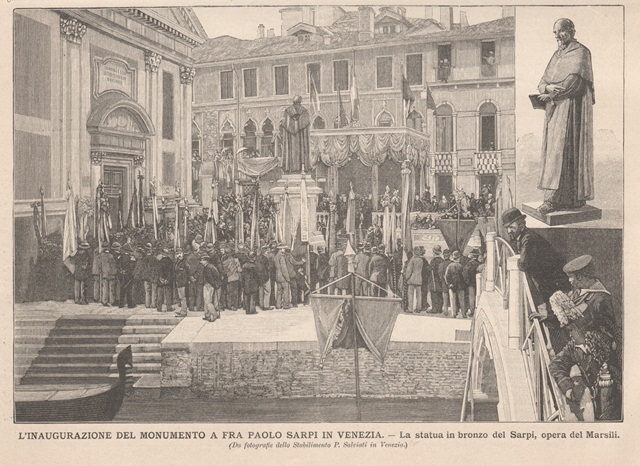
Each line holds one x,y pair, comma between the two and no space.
30,330
140,348
159,320
80,339
142,358
86,358
87,330
27,349
157,329
75,349
91,321
140,338
30,339
35,379
141,367
34,322
69,368
149,381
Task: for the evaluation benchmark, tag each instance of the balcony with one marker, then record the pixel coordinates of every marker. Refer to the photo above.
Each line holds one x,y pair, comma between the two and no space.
442,162
487,162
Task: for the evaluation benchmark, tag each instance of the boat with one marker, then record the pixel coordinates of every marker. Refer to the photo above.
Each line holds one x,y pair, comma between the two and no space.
74,404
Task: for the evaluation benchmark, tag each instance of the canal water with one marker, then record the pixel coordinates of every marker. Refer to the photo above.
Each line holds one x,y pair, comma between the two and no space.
305,410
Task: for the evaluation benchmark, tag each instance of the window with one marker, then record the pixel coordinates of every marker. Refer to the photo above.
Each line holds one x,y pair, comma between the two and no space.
304,37
249,139
444,129
388,29
250,82
414,121
385,119
340,75
384,74
168,168
226,141
226,84
488,56
313,72
312,16
444,62
414,69
282,79
32,59
167,105
266,141
488,127
318,123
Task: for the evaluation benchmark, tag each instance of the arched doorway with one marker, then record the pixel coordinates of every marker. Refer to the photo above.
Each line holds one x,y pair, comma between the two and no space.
119,129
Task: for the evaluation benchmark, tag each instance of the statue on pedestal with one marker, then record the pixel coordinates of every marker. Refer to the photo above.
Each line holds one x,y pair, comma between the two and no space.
567,93
295,127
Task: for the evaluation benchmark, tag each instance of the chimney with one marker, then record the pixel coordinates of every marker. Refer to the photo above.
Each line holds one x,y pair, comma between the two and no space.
260,31
428,12
464,22
365,23
402,11
290,16
446,17
508,11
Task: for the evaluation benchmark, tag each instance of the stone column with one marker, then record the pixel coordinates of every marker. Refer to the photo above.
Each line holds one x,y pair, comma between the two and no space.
186,83
152,62
72,30
491,261
515,303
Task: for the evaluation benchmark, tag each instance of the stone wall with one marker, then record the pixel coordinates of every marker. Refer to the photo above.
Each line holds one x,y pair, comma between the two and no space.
280,370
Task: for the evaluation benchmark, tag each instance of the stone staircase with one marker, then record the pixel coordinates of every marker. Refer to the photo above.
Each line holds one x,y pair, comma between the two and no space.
30,333
144,334
76,350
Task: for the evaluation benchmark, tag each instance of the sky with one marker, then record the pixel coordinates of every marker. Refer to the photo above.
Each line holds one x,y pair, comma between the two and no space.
599,28
242,22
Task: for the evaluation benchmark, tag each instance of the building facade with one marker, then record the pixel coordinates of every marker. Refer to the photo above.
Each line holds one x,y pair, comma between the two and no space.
100,95
242,87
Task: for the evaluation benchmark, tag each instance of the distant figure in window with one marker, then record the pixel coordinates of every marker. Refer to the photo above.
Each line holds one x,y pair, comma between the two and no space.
444,70
490,58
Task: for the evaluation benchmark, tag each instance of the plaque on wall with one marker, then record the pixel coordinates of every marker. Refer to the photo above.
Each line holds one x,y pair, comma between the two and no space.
114,74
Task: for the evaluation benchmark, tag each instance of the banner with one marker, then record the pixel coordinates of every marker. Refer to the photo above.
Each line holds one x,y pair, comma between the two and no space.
70,239
304,212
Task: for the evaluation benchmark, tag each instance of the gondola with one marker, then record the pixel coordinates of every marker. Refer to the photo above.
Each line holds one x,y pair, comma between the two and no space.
82,404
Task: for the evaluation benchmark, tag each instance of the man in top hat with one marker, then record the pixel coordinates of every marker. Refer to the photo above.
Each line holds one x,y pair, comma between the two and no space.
456,283
469,271
442,268
283,279
182,275
165,282
250,279
82,271
592,345
413,278
361,267
541,263
435,282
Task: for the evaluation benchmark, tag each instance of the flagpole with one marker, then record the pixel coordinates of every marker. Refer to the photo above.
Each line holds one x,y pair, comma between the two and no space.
356,360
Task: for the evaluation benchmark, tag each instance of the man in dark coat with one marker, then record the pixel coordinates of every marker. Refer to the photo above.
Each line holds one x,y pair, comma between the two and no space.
125,264
378,271
469,271
323,268
435,282
413,278
149,275
82,272
182,275
455,281
442,268
250,283
292,267
196,280
165,282
313,268
426,271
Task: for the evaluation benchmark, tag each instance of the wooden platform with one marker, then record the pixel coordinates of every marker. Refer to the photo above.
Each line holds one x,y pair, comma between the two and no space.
563,217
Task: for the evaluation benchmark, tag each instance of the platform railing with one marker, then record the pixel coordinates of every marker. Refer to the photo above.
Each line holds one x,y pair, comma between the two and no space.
503,251
548,400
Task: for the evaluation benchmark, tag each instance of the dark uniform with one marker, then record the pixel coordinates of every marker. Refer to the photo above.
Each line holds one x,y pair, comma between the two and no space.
165,282
125,265
250,279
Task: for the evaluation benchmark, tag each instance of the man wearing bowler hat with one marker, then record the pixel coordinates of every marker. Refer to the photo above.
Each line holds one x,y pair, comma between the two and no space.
442,268
435,283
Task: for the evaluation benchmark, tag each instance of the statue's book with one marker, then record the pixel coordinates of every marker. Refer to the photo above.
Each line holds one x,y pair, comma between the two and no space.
536,102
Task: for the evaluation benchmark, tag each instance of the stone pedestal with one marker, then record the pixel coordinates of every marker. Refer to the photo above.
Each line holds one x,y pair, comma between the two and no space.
290,183
562,217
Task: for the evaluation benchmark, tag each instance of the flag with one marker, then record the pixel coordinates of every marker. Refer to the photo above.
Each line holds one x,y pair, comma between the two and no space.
176,226
133,217
70,238
355,100
407,96
313,95
120,212
304,212
342,115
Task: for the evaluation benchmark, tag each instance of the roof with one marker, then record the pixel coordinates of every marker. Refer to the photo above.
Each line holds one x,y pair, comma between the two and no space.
225,48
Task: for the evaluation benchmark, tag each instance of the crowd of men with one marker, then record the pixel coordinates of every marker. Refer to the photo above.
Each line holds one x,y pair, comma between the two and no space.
467,205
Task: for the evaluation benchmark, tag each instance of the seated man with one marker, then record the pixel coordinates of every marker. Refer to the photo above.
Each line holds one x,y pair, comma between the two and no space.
588,315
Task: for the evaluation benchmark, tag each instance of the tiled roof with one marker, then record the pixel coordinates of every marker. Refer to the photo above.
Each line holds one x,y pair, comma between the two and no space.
228,48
